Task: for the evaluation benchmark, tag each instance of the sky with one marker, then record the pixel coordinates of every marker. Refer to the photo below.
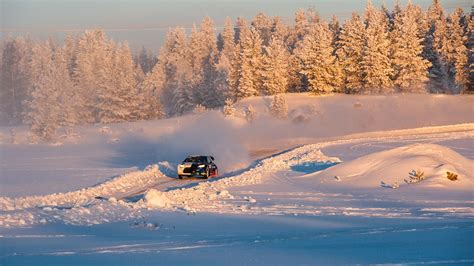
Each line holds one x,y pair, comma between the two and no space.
145,22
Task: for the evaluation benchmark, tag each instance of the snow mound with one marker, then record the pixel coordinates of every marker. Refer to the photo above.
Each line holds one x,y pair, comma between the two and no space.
392,168
156,199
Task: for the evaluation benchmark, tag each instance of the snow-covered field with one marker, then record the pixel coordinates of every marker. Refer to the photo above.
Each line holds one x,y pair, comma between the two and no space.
335,183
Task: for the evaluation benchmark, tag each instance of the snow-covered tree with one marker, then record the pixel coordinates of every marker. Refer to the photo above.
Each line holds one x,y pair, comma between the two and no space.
275,68
15,78
319,65
245,79
470,44
349,52
299,30
457,52
94,53
175,63
410,69
118,99
228,109
151,92
43,108
224,64
241,28
145,59
279,29
250,113
278,106
435,48
263,25
375,62
199,109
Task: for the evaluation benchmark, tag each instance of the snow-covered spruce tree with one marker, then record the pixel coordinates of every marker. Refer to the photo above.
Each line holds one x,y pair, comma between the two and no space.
145,59
335,28
228,109
278,106
150,92
67,91
70,52
349,53
470,44
410,69
43,108
245,79
275,68
241,28
375,62
250,113
94,53
118,99
299,30
15,78
211,90
435,48
279,29
319,65
178,74
263,25
225,57
457,53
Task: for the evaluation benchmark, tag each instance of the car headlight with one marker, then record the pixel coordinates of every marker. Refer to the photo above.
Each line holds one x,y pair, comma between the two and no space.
201,166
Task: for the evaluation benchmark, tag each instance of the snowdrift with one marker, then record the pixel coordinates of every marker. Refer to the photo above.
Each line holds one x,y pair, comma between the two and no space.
393,166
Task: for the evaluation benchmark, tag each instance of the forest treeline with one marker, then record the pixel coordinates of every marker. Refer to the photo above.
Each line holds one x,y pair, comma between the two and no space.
90,79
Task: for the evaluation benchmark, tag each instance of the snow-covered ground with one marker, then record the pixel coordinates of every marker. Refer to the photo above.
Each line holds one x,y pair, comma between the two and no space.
326,186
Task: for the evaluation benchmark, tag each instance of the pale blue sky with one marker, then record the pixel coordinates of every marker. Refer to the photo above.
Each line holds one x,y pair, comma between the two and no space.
145,22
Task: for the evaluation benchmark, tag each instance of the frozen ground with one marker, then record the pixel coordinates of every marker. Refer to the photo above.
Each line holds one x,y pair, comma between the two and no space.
312,192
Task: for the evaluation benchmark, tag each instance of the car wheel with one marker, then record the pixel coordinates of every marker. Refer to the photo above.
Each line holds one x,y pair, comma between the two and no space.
180,177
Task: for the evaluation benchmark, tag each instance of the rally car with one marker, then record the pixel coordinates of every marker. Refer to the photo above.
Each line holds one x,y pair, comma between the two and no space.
197,166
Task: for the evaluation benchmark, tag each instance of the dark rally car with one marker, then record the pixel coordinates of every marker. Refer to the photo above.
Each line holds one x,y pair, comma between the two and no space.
197,166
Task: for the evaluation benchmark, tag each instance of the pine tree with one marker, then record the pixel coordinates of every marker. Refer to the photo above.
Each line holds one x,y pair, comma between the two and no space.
375,62
457,52
145,59
67,91
151,91
224,65
250,113
15,78
278,106
470,44
44,111
94,53
263,25
299,30
275,68
319,65
178,72
349,52
228,109
241,29
435,48
118,94
279,29
410,68
245,79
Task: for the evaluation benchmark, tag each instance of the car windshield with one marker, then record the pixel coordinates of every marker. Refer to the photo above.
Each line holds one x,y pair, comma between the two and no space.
196,159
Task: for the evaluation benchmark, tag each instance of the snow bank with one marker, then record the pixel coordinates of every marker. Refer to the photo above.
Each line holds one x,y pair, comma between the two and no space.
91,205
156,199
393,167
